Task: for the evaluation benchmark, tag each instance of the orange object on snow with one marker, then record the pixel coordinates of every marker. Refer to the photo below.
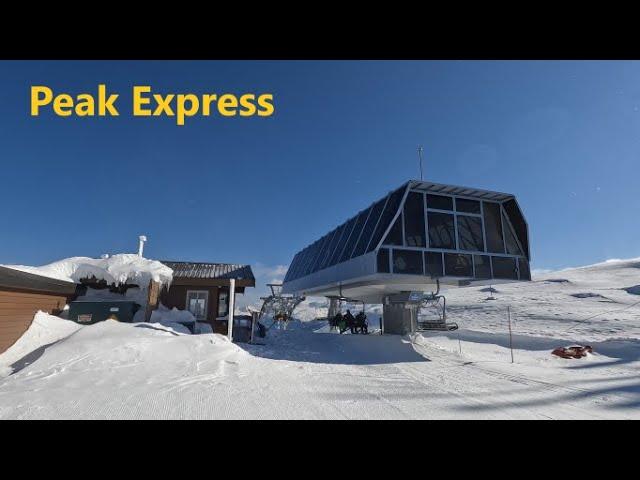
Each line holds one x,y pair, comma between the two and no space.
573,352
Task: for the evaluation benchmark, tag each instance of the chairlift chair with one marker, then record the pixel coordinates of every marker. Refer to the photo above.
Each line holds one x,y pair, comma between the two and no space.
436,305
342,302
279,305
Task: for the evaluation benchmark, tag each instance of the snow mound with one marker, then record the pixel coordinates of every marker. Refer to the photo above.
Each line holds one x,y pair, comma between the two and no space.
170,327
163,315
588,295
130,367
124,268
204,328
44,330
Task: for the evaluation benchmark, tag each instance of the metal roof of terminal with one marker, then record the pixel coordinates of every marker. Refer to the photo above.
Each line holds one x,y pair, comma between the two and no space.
436,188
363,232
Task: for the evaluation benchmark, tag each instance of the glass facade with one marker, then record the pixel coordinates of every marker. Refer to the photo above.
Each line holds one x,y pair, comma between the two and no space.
482,266
367,231
407,262
395,234
433,264
434,234
510,238
348,228
414,220
470,236
355,235
458,265
523,267
504,268
359,235
333,246
390,210
493,226
383,260
442,233
468,206
439,202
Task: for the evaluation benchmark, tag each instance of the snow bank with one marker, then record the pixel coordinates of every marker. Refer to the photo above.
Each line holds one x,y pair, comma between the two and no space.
175,320
163,315
204,328
171,327
44,330
118,269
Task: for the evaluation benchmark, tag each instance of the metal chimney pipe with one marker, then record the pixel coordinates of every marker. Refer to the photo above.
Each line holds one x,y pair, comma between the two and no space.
142,238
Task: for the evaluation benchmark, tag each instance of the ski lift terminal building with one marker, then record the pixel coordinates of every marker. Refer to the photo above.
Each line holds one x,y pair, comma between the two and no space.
415,238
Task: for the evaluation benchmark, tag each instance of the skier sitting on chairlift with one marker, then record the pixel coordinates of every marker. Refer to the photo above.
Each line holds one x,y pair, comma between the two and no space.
281,320
350,322
361,323
339,322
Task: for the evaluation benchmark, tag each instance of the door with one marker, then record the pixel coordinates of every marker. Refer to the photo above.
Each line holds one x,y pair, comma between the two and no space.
223,303
198,304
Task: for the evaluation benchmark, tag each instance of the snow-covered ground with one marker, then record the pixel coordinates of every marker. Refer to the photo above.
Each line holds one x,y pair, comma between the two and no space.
112,370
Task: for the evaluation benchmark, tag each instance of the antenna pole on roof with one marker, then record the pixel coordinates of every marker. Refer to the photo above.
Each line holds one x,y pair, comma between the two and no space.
420,151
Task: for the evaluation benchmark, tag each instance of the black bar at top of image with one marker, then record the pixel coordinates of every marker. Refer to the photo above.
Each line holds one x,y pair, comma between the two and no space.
410,36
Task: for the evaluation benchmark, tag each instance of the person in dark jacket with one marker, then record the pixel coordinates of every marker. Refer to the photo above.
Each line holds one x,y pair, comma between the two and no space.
351,321
361,323
339,322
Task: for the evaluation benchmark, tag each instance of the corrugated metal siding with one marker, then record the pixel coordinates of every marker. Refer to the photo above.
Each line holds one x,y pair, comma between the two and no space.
209,270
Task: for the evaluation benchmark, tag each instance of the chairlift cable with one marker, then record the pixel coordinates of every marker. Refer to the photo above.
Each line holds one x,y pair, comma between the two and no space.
601,313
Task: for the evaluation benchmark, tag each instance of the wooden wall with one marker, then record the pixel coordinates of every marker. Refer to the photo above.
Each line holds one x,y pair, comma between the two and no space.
17,310
177,297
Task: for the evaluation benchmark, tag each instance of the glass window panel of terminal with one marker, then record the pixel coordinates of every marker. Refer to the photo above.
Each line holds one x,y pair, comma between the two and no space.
504,268
470,233
523,265
458,265
383,260
337,253
439,202
441,230
355,234
390,209
510,238
482,266
394,237
493,227
465,205
433,264
414,220
367,231
407,261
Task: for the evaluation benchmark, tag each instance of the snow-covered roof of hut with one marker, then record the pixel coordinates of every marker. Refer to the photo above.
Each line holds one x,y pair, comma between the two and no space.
125,268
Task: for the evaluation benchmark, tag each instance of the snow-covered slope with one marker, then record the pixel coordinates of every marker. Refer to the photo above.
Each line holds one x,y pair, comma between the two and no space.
588,304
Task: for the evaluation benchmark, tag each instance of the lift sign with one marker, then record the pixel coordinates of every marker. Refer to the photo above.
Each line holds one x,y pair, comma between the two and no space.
148,103
415,296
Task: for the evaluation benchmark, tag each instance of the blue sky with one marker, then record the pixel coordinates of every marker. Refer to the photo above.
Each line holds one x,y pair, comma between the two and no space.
562,136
